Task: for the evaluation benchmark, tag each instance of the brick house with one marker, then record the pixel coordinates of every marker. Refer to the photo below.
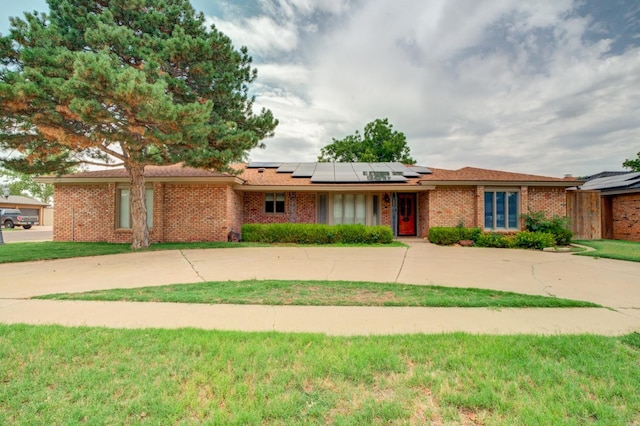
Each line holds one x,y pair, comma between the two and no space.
606,206
186,204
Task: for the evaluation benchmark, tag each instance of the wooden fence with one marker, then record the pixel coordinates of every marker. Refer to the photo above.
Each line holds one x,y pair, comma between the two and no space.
584,209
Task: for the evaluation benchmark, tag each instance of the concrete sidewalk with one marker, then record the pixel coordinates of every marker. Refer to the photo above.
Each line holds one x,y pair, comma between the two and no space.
614,284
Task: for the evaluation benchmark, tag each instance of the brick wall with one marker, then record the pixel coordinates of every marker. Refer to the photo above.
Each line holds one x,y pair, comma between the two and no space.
626,217
84,212
551,200
448,206
182,213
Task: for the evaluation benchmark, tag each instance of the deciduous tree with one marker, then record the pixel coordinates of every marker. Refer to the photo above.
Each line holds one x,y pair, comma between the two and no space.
125,82
380,143
633,163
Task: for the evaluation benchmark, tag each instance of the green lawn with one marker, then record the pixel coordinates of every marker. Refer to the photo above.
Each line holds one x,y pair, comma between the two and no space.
612,249
48,250
325,293
58,375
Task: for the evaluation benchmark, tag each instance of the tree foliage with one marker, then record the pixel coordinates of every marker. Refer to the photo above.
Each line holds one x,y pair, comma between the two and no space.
126,82
23,184
633,163
379,143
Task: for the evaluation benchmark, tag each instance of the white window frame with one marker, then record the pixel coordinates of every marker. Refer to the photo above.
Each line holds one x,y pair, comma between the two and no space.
495,213
372,216
123,208
274,200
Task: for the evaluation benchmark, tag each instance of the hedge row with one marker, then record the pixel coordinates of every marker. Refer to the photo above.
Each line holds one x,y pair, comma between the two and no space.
306,233
524,239
445,236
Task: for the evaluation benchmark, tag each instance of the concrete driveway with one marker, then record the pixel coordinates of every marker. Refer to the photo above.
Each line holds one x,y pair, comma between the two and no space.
37,233
614,284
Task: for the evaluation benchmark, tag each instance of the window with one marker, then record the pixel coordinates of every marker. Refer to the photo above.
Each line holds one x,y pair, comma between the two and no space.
501,210
123,219
274,202
337,209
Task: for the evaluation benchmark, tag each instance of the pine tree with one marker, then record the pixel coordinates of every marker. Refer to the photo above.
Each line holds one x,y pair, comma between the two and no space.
125,82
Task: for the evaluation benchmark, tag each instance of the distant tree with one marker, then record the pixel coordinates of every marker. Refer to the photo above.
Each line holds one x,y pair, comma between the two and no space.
633,164
23,184
380,143
129,83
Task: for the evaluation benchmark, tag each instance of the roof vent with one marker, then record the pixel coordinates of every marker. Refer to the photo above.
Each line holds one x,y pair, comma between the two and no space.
568,175
261,170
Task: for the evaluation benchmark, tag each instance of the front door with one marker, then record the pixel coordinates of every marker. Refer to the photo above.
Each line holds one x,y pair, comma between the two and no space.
406,214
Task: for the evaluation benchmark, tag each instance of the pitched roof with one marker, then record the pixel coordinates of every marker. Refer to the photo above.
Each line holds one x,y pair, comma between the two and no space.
473,174
174,170
298,175
627,181
19,199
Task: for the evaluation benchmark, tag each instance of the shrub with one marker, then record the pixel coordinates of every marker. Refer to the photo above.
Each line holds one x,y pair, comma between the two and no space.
490,239
308,233
446,236
558,226
533,240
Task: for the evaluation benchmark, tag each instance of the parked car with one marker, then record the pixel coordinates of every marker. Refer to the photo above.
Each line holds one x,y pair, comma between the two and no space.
10,218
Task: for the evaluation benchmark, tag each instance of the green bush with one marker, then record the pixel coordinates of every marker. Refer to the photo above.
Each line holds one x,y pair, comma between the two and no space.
533,240
308,233
491,239
446,236
558,226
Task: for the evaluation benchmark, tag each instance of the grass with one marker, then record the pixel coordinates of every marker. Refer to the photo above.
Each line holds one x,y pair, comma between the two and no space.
58,375
325,293
49,250
612,249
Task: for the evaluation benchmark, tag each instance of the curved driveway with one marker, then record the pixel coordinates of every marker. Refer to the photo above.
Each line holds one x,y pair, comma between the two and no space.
613,284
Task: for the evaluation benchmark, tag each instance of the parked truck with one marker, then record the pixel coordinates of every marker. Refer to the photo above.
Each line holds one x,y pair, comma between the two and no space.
10,218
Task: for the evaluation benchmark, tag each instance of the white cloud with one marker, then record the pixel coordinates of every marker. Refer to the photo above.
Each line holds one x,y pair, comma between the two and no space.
499,84
262,34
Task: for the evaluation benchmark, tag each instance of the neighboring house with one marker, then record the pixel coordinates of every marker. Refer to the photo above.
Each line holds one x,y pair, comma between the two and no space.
186,204
607,206
28,206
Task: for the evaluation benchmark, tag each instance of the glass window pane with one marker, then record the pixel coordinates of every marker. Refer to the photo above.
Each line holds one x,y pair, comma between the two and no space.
361,209
488,210
124,217
374,214
148,199
268,203
512,201
349,208
500,210
322,208
280,203
337,209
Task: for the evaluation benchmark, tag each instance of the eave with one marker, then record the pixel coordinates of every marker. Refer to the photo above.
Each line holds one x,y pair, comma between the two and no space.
53,180
501,183
333,188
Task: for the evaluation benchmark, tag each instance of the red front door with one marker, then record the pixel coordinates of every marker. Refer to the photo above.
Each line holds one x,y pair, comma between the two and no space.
406,214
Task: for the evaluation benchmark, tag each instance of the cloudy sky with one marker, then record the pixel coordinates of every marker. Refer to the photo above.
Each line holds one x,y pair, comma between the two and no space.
544,87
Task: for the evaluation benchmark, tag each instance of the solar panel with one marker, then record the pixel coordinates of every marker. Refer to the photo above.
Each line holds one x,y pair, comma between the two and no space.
287,167
304,170
420,169
610,182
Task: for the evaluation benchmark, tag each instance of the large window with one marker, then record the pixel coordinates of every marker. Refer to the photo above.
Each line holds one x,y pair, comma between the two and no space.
501,210
274,202
348,209
123,219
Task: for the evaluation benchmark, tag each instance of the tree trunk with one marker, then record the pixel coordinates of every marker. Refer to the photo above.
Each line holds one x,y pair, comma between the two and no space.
138,207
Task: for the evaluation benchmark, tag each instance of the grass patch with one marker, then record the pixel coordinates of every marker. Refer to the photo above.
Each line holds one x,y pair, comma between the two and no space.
49,250
612,249
323,293
58,375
